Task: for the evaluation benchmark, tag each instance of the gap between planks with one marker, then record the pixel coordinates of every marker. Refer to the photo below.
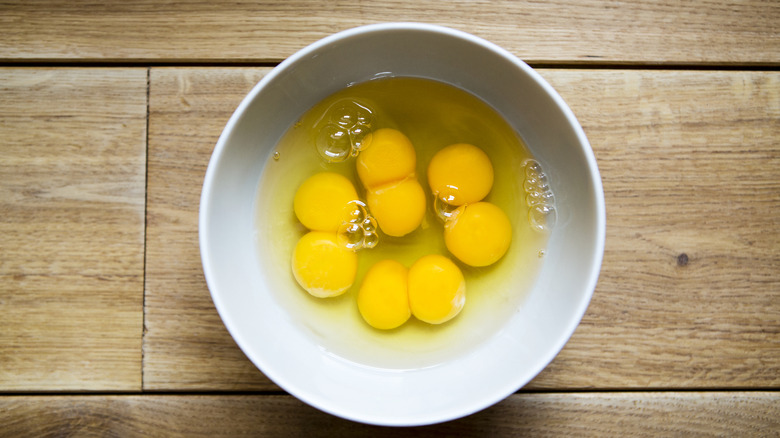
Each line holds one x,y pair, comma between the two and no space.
146,204
130,63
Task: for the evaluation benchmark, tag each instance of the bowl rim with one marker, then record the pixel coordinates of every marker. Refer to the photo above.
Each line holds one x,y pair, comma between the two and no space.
465,408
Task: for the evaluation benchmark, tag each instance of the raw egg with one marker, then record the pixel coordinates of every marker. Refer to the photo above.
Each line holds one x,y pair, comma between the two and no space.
322,266
393,194
383,299
462,173
321,201
479,234
389,157
399,208
437,289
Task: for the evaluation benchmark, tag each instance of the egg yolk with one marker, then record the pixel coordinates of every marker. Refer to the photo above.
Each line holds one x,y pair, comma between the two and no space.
323,267
389,157
399,208
437,290
393,194
479,235
461,172
321,201
383,299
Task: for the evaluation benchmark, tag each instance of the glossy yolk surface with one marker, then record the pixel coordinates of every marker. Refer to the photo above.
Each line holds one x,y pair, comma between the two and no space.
462,171
383,299
321,200
323,267
479,235
388,158
393,194
399,208
437,289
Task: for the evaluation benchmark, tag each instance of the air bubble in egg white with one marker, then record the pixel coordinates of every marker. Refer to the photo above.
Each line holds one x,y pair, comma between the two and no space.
350,235
347,123
539,197
344,115
370,240
542,217
442,204
359,228
333,143
356,212
533,169
369,225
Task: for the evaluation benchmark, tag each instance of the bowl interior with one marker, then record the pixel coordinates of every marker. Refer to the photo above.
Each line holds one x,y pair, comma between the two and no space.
506,361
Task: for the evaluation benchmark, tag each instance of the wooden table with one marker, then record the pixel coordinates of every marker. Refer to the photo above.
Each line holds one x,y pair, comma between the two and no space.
109,112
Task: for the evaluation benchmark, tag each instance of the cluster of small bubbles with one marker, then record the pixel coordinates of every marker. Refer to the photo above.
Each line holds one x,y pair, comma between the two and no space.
346,124
539,197
442,204
359,229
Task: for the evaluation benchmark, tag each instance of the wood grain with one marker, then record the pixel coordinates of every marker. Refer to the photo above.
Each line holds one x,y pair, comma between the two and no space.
185,344
712,32
566,414
689,294
690,286
71,228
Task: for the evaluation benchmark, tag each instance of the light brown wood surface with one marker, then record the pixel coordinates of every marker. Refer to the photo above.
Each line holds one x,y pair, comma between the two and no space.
72,166
562,31
191,349
563,414
689,292
109,112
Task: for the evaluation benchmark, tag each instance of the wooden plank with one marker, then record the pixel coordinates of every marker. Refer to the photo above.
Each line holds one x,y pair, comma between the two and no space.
563,414
71,228
566,31
689,294
185,344
690,163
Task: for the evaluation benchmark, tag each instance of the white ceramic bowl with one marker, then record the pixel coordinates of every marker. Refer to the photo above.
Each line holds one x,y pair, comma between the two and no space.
487,373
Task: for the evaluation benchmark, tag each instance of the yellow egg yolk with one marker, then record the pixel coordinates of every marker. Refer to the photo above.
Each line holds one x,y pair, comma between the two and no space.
437,289
389,157
387,170
462,173
321,201
479,235
383,299
323,267
399,208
